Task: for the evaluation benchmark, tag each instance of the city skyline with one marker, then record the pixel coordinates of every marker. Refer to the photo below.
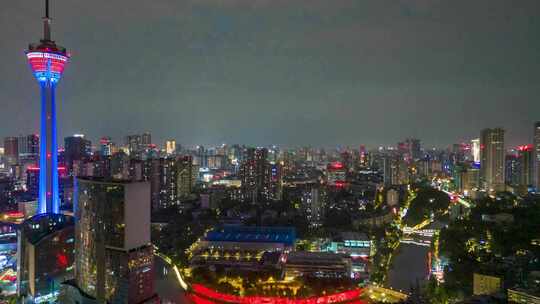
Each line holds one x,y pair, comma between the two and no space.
260,72
269,151
163,142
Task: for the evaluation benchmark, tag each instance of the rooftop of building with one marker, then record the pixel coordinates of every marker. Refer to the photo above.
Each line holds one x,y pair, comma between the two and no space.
252,234
307,257
42,225
353,236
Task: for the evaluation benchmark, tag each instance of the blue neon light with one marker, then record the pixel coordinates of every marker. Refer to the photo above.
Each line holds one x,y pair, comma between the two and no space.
42,200
45,77
48,202
54,161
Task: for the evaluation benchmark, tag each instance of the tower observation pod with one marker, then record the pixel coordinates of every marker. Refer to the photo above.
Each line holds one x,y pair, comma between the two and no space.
47,61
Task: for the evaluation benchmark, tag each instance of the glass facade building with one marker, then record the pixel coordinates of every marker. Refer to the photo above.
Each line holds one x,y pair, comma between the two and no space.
114,257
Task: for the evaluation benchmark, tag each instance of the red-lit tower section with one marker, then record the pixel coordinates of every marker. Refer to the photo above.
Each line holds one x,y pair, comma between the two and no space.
47,61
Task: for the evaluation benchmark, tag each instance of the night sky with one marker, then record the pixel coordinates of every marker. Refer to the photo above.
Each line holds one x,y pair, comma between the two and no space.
288,72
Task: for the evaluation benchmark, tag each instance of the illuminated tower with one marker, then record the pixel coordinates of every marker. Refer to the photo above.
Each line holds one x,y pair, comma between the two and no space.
47,61
45,241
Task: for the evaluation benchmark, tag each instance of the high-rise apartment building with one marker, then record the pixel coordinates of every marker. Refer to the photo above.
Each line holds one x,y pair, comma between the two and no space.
492,159
537,156
255,175
113,254
76,148
526,162
276,181
512,169
168,182
186,176
390,169
11,150
313,203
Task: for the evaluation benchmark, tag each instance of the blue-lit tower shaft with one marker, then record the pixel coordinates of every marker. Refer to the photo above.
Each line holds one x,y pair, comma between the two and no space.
49,197
47,61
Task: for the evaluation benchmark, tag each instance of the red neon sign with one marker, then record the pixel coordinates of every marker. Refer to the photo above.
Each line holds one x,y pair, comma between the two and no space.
525,148
205,295
340,184
336,165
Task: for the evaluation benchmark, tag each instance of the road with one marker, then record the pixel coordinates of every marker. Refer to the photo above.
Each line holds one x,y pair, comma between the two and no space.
166,284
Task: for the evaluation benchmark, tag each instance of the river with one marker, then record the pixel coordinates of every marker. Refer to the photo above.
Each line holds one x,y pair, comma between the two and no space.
409,265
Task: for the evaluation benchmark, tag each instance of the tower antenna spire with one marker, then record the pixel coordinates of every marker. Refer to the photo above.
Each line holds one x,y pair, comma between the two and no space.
47,23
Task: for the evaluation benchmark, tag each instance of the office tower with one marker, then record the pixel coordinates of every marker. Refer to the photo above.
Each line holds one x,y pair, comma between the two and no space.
255,175
76,148
113,254
526,161
492,156
105,146
47,61
186,176
537,155
170,146
11,150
